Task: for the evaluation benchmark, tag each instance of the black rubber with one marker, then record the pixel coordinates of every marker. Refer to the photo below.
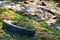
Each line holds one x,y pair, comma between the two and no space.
19,30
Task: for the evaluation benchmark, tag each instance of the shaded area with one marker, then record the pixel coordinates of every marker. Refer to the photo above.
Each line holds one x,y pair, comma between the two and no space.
15,36
57,25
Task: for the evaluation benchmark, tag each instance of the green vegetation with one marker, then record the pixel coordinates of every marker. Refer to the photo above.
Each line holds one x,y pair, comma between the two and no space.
52,29
9,0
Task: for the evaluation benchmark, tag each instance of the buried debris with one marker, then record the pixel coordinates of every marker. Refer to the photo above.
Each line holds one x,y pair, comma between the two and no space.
16,29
